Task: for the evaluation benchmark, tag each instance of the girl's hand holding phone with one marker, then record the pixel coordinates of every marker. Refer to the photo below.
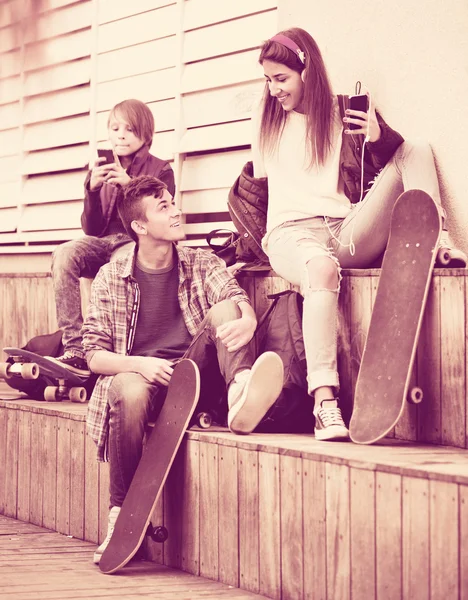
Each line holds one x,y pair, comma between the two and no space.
363,122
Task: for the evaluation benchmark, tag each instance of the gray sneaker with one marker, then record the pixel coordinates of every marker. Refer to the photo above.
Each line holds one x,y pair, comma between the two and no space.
113,514
253,392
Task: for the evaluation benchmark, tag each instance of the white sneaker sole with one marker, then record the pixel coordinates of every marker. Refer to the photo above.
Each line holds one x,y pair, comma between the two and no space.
261,392
333,432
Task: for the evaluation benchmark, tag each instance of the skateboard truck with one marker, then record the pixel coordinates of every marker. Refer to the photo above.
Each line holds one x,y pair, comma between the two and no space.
57,393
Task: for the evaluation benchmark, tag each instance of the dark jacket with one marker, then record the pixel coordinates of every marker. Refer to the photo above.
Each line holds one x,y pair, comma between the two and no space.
100,205
248,197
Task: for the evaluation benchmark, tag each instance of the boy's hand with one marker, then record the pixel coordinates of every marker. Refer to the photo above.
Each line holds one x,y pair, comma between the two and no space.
237,333
118,175
99,174
155,370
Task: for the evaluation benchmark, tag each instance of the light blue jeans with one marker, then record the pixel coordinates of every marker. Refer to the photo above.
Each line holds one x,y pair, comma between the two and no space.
293,245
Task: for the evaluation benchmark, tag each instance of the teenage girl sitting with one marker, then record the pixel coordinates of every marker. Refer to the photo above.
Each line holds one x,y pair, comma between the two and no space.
319,220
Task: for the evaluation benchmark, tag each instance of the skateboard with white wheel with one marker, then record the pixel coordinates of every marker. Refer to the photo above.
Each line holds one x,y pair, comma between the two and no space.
62,383
383,382
133,522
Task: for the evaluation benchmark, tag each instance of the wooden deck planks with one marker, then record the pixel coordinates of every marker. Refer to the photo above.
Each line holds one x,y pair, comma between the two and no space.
59,567
209,510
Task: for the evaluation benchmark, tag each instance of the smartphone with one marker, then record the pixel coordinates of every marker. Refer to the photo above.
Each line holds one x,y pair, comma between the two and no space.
360,102
107,154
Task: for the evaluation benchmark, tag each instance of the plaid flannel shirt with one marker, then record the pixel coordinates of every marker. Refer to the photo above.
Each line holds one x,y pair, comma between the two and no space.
113,311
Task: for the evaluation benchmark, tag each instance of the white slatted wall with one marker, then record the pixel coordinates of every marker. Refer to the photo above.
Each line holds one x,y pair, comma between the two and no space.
194,62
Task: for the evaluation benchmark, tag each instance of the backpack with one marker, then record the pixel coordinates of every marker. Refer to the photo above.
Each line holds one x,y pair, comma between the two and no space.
280,330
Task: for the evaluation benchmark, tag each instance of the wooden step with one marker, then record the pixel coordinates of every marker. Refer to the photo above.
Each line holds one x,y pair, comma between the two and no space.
36,563
280,515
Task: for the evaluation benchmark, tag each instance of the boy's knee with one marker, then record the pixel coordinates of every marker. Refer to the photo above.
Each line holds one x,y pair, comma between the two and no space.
222,312
126,390
63,255
322,273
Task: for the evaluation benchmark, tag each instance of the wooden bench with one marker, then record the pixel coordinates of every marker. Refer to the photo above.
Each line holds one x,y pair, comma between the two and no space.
283,515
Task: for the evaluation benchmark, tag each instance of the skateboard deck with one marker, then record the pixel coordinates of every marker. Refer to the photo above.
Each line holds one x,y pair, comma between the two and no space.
153,468
388,356
64,385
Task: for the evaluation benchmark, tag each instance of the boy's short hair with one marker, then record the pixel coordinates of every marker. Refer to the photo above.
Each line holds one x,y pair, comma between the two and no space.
129,204
138,116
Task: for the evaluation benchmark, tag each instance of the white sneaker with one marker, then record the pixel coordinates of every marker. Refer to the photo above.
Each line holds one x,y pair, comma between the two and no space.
253,392
113,514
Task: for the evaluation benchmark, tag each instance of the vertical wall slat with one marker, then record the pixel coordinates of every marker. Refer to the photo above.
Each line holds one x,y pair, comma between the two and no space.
388,535
3,445
338,539
209,510
91,496
444,540
292,568
270,543
416,541
228,549
248,520
49,453
362,533
104,499
315,533
63,476
37,466
463,518
453,361
24,464
77,478
190,538
173,491
11,460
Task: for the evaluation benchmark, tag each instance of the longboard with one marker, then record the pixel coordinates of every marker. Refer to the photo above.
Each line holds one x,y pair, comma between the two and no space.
153,468
383,382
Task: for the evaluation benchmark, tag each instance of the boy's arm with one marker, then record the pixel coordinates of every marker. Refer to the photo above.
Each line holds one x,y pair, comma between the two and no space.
92,219
221,285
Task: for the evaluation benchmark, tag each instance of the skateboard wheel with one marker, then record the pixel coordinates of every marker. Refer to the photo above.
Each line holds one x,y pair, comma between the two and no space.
51,394
415,395
158,534
78,394
5,370
29,371
204,420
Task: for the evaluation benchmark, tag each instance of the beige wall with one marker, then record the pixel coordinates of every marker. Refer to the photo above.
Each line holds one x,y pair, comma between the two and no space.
413,56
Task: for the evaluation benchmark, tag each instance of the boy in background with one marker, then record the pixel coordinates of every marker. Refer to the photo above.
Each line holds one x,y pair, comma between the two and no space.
131,129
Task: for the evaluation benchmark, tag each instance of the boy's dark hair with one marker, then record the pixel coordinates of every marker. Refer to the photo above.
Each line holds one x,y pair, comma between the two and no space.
129,203
138,116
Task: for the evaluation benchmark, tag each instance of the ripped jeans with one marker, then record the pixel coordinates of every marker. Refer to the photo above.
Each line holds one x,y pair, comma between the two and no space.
294,244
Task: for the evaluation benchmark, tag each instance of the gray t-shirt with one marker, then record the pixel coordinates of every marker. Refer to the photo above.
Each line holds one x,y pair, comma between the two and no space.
160,329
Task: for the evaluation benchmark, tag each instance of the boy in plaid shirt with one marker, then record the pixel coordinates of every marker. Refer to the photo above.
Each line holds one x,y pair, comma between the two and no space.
152,307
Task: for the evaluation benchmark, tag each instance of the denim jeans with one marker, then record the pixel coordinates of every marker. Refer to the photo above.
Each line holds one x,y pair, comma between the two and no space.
293,245
133,401
70,261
